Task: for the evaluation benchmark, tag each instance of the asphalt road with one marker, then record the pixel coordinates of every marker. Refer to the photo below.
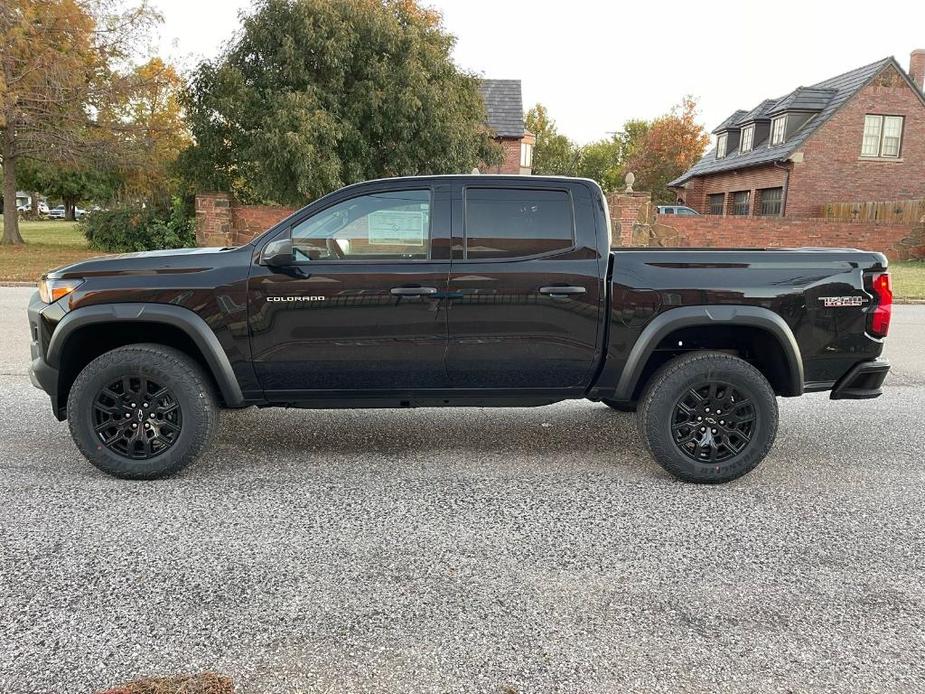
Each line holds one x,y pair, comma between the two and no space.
508,550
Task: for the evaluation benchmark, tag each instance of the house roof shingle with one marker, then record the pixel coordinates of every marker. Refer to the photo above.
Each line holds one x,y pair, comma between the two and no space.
504,106
825,98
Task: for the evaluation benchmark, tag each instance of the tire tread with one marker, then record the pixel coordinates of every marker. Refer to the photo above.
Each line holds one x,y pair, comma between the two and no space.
186,371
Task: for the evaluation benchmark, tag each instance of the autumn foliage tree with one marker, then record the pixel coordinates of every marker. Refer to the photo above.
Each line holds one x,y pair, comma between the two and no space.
145,121
660,150
657,151
57,61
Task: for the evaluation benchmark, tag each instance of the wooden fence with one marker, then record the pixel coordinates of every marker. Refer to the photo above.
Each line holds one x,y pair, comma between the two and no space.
898,211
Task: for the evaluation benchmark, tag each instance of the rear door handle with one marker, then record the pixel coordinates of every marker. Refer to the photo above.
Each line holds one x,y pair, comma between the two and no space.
561,292
413,291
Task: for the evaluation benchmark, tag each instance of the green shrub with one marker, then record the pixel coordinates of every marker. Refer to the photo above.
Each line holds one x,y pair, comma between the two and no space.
129,229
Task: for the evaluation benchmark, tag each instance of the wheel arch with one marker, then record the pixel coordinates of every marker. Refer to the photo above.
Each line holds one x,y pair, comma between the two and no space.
727,321
76,341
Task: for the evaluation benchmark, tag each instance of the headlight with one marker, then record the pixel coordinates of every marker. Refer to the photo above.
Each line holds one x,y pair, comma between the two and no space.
50,290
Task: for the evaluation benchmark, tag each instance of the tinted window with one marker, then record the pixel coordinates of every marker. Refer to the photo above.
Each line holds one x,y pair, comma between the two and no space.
383,226
510,223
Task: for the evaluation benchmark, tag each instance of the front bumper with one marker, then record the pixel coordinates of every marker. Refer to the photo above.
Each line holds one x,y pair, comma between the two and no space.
862,382
42,375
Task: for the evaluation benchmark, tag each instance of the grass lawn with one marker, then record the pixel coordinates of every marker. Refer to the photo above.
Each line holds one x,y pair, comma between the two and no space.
908,280
49,245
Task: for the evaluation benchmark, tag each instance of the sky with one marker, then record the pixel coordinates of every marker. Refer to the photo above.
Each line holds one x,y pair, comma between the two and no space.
595,65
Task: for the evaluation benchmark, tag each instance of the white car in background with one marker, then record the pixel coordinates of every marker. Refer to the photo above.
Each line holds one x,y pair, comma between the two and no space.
59,212
43,208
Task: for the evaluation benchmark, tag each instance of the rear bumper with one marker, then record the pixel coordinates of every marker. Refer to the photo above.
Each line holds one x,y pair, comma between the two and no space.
862,382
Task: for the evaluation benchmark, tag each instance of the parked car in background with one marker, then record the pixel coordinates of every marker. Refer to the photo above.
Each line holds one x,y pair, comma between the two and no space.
59,212
680,210
27,207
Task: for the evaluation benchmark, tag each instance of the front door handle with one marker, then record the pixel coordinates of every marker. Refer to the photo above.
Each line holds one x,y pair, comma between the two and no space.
561,292
413,291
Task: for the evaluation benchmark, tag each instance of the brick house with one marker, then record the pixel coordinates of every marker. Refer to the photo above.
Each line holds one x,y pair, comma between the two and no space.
859,136
505,108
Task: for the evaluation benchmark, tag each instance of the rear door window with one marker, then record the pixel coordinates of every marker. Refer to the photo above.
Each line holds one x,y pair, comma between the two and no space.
517,222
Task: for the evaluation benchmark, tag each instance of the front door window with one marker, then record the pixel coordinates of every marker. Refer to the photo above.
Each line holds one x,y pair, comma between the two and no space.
392,225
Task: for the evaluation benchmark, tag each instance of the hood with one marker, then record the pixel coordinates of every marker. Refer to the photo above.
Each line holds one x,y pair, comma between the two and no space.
144,263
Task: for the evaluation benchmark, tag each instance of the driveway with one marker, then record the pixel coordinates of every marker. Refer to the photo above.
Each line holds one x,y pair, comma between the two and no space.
453,550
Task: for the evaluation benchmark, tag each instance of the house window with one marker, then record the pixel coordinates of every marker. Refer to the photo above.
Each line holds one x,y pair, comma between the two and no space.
770,201
882,136
526,155
721,146
778,130
717,202
748,137
740,202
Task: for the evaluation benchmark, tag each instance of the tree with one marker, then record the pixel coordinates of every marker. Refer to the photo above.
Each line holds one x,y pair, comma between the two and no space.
55,73
71,184
602,161
661,150
553,154
315,94
146,121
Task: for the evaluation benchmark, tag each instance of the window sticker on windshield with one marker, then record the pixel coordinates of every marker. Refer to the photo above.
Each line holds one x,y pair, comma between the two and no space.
397,228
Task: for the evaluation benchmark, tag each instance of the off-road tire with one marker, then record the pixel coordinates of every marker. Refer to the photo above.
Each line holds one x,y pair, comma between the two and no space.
189,385
672,383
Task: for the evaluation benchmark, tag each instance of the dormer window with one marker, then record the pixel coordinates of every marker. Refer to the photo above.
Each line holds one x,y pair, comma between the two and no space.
721,145
778,130
748,139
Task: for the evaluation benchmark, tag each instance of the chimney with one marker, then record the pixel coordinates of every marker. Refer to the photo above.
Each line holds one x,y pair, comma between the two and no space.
917,67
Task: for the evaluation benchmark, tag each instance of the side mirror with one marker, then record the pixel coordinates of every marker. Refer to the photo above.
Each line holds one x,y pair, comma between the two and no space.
277,253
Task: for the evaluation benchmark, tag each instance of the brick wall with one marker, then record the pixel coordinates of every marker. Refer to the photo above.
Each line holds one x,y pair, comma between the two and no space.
897,241
223,221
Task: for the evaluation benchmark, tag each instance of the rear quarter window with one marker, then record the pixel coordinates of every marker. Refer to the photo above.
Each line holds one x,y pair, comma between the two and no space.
517,223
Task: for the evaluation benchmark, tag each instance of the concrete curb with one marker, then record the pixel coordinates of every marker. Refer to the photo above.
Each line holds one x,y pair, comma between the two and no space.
18,284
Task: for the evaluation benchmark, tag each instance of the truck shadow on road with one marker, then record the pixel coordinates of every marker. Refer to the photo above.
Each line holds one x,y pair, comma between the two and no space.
554,430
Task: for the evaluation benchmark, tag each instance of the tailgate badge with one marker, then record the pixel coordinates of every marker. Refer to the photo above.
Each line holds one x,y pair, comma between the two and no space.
838,301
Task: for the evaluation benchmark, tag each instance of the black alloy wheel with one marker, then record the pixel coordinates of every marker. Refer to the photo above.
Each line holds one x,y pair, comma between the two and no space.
713,422
137,417
708,417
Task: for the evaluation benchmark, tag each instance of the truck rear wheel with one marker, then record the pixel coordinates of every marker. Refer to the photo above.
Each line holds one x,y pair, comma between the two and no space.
142,411
708,417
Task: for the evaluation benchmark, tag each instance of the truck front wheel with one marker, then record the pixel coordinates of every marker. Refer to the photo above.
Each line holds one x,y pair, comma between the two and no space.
708,417
142,411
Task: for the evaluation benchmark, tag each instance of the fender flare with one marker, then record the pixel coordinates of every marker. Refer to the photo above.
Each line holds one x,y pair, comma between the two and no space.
169,314
689,316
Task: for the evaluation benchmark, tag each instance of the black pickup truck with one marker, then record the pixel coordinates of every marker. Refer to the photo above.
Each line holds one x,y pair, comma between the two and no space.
454,291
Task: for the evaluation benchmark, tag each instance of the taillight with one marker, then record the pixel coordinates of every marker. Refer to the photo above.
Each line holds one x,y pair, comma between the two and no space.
879,321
